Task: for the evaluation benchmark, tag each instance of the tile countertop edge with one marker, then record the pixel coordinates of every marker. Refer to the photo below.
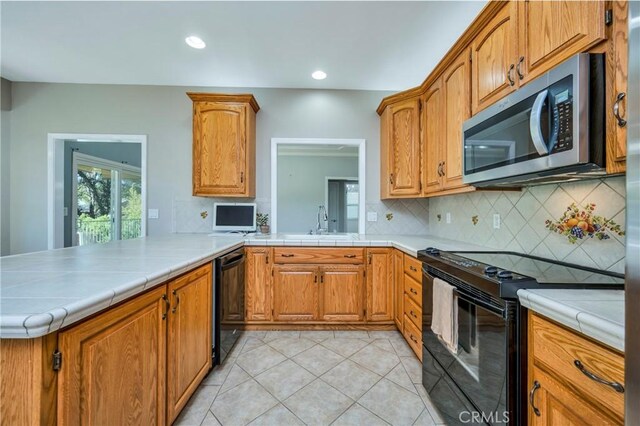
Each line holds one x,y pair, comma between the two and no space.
31,326
604,330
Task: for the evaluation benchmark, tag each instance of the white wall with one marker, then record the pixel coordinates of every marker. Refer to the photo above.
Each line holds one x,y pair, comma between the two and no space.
164,114
5,228
301,187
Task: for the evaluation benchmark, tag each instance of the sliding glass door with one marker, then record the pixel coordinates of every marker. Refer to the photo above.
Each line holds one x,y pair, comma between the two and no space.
106,200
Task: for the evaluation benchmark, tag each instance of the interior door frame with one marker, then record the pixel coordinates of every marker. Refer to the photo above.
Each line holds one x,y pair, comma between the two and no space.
80,158
360,143
326,191
55,179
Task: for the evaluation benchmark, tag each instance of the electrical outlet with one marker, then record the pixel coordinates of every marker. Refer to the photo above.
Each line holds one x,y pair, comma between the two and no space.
372,217
448,217
496,221
153,214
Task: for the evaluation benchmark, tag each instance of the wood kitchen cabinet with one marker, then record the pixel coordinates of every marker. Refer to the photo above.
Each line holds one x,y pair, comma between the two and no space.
295,293
549,32
140,362
400,150
434,137
572,379
342,293
258,283
224,144
115,365
380,284
493,53
189,347
398,288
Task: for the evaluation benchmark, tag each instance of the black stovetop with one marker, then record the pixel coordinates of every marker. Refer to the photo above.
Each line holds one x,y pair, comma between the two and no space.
503,273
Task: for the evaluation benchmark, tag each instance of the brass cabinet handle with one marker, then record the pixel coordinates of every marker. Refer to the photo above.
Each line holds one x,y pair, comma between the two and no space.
175,293
391,178
287,255
321,278
444,170
536,386
350,256
412,338
413,268
440,169
167,305
315,278
413,290
509,71
413,314
616,109
615,385
241,177
520,61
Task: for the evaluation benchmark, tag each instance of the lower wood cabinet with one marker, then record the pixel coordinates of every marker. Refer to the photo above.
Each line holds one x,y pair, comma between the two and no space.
259,262
342,293
138,363
295,293
380,284
572,379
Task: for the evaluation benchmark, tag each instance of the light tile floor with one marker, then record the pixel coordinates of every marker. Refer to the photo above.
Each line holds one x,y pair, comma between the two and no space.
283,378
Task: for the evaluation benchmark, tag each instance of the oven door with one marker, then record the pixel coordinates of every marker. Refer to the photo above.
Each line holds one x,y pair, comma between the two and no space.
479,378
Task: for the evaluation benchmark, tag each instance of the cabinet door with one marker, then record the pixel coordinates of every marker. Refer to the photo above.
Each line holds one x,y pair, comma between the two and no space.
455,83
553,31
558,404
379,284
219,149
404,149
295,293
190,334
258,283
342,293
398,288
434,120
115,365
385,149
494,57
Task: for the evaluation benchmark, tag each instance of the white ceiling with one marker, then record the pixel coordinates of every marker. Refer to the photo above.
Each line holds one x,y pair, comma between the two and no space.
361,45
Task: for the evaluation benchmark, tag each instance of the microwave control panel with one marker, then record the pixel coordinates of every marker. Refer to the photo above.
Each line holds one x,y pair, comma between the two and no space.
562,121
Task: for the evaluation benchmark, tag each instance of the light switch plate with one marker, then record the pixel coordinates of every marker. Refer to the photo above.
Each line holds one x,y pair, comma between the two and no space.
448,217
153,214
496,221
372,217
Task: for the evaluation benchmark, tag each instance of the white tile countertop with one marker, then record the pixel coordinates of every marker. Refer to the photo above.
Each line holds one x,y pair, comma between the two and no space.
596,313
44,291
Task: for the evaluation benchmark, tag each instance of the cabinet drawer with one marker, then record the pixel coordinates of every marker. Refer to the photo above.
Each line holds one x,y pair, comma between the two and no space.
316,255
413,311
413,288
413,267
413,336
556,350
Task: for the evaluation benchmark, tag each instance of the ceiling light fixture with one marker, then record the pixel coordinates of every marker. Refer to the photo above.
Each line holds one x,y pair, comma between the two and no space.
195,42
319,75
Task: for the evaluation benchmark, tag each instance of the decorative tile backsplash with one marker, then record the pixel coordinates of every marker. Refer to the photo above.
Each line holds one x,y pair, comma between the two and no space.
195,214
399,217
524,217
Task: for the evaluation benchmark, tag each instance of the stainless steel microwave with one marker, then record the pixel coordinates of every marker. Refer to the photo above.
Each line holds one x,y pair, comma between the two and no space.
550,130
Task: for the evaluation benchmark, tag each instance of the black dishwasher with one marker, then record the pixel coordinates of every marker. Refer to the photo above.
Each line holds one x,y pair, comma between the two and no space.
229,303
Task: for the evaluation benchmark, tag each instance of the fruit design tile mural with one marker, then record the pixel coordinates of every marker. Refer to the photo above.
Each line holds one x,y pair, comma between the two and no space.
577,224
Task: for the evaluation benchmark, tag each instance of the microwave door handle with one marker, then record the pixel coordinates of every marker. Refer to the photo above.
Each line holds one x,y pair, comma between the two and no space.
534,124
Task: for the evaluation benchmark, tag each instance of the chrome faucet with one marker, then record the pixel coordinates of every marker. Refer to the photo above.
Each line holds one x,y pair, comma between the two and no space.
322,218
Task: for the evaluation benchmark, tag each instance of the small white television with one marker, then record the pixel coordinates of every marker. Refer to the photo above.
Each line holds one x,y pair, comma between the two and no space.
234,217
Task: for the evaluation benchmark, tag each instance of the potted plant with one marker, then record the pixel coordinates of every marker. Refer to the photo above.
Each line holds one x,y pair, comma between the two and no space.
262,220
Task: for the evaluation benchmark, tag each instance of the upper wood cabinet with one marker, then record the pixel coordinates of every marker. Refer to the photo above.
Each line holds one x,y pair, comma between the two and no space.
400,150
552,31
190,334
224,144
295,293
114,369
342,293
493,58
434,123
456,87
379,284
258,283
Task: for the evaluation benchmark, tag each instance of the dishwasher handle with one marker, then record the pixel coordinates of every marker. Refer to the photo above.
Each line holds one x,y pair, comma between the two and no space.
231,260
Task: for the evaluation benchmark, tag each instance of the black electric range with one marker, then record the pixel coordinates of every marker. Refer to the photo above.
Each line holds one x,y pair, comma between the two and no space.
485,378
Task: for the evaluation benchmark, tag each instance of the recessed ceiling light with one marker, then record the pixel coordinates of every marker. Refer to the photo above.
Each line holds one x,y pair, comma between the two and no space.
319,75
195,42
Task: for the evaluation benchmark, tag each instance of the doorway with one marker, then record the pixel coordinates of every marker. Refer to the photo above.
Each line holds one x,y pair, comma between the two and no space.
342,196
105,200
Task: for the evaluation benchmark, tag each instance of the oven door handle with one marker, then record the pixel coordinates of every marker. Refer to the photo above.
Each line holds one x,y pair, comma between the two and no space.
498,310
